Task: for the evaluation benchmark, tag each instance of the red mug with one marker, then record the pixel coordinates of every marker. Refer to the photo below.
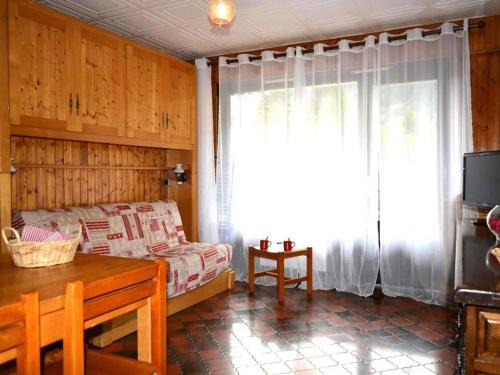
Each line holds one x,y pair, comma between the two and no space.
264,244
288,245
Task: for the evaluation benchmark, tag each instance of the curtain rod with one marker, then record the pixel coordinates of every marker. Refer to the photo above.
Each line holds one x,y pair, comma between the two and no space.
478,25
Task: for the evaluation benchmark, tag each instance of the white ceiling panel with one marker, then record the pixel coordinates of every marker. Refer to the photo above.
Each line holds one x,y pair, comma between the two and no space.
139,23
185,12
181,27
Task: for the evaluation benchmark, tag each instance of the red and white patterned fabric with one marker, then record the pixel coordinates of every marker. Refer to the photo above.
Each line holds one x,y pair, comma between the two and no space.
194,264
31,233
121,229
138,230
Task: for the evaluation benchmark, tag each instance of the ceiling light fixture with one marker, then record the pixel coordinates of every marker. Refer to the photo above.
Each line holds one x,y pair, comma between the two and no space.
221,12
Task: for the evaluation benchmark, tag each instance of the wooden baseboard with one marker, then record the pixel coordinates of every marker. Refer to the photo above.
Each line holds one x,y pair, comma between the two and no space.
127,324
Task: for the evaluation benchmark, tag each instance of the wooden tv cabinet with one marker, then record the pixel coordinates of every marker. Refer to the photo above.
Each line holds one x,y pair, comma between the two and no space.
478,298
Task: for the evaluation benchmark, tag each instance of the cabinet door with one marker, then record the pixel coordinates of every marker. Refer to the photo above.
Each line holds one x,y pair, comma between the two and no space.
41,64
181,102
100,87
145,108
482,340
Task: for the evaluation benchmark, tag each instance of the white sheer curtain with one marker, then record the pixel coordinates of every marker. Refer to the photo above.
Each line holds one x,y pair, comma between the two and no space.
207,204
321,148
294,160
425,127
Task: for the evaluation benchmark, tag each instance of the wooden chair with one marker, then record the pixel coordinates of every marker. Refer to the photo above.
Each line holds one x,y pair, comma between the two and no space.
92,304
20,331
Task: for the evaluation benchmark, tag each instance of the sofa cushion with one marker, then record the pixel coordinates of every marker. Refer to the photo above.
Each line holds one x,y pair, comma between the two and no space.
116,235
162,225
120,229
194,264
61,219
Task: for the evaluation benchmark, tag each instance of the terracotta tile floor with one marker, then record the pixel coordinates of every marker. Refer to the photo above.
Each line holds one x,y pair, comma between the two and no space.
335,333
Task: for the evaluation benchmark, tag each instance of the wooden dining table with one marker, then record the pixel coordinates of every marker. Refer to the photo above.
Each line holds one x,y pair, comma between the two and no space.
51,283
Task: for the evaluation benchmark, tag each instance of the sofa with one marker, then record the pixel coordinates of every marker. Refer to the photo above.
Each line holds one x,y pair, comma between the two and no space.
146,230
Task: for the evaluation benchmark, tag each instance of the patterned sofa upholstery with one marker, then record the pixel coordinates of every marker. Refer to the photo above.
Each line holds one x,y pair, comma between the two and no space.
138,230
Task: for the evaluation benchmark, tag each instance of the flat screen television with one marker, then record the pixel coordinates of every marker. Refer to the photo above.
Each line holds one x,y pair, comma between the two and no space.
481,187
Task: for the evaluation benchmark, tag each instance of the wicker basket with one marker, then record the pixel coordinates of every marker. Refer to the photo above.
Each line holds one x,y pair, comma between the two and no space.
40,254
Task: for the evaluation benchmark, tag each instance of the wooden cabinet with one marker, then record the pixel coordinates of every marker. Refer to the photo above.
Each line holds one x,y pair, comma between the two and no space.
145,95
101,80
482,340
181,88
41,68
70,80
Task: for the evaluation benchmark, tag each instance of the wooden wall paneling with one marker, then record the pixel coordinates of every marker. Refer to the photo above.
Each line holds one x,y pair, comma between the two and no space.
5,178
19,178
94,161
194,194
486,39
104,175
31,174
147,176
75,173
59,174
124,173
112,173
84,185
50,174
485,84
41,65
139,176
182,194
123,161
41,157
194,169
132,183
478,77
56,173
4,90
138,180
68,173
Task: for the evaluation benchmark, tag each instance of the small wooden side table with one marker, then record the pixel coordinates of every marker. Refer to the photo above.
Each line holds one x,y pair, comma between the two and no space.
279,272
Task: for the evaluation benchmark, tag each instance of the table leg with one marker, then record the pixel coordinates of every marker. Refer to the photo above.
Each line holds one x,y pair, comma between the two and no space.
158,333
144,332
281,279
251,273
152,325
309,273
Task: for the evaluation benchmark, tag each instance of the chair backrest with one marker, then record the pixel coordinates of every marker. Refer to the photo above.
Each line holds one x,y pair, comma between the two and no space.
110,297
20,331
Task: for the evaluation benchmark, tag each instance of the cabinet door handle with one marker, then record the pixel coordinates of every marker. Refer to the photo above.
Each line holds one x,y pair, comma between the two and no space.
163,119
167,120
77,104
70,103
